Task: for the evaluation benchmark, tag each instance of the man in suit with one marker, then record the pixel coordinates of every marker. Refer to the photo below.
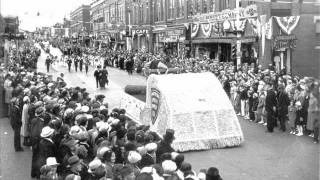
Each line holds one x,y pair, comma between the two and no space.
16,123
271,104
283,103
97,75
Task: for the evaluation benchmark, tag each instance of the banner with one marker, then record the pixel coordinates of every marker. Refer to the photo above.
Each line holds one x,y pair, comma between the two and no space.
268,28
288,23
194,30
206,29
247,12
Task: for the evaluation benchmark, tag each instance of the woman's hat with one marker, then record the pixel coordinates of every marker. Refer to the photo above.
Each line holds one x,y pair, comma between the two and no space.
93,165
151,147
51,161
73,160
134,157
169,166
46,132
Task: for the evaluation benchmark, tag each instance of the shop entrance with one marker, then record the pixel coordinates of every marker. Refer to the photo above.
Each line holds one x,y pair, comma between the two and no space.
224,51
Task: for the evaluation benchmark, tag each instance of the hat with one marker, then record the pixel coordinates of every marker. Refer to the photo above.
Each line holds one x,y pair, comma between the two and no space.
174,155
212,172
298,103
39,111
134,157
142,150
38,104
73,160
103,127
126,170
169,134
73,177
74,130
46,132
93,165
101,151
85,109
51,161
151,147
169,166
26,98
102,108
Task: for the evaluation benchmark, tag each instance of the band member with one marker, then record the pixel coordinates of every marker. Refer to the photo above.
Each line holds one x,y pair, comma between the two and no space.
48,62
86,64
69,62
97,75
80,63
76,61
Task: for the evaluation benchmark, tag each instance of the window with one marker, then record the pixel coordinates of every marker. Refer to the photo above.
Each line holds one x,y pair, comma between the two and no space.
204,6
170,13
212,5
182,6
197,6
224,4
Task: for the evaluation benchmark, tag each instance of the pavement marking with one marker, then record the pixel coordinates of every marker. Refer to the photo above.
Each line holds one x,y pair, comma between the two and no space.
5,133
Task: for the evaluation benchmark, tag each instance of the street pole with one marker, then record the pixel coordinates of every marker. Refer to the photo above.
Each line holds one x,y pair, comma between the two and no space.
238,41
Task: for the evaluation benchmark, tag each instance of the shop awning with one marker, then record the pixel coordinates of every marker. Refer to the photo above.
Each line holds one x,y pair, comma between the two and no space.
213,40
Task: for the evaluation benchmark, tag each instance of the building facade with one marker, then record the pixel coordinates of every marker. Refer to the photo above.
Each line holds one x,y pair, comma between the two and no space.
80,21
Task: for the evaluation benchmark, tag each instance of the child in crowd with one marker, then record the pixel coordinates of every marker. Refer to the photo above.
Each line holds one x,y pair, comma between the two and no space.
299,119
292,117
260,108
255,102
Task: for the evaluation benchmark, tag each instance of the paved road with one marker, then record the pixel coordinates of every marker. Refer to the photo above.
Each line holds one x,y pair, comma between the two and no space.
263,156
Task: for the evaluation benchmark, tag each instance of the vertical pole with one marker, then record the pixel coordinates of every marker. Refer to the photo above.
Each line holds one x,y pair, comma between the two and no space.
238,37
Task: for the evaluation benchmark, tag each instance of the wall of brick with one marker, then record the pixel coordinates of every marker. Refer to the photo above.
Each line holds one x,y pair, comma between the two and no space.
305,58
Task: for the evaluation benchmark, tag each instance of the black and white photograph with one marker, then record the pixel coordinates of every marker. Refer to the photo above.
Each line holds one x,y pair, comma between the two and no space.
159,89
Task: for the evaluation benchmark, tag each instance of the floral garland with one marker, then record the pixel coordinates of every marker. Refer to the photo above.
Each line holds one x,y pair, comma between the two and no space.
287,24
194,30
206,29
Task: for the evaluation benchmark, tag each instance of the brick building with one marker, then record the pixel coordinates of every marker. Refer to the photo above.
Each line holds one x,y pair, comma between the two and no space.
80,21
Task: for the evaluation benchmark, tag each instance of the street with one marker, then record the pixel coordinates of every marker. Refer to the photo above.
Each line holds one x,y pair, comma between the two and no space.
262,156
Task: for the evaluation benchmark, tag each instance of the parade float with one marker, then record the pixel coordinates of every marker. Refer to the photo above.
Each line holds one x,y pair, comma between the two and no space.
194,105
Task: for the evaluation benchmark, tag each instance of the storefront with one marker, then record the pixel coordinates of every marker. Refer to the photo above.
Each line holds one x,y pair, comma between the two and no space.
141,38
283,41
218,35
170,40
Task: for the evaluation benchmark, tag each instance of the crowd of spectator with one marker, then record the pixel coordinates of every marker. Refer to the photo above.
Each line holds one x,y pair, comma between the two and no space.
76,136
259,95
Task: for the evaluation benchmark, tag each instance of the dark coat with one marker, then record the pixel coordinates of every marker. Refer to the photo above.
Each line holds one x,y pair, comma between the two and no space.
163,147
97,74
36,127
271,101
43,150
283,103
15,117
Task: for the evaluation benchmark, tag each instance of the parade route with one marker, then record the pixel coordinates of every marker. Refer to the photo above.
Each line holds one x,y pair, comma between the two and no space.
263,156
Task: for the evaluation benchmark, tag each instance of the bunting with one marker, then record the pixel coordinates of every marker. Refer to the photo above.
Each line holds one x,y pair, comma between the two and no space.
194,30
288,23
256,25
206,29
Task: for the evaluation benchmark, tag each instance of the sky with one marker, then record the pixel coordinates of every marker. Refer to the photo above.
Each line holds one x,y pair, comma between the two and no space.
51,11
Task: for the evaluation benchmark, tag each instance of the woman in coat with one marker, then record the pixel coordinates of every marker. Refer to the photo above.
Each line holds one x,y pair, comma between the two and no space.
25,130
312,112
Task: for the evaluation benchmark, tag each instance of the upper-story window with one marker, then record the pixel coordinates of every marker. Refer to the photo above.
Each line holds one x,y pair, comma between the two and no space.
224,4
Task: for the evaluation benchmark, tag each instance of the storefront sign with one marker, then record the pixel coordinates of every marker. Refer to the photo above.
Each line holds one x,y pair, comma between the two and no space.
140,31
248,12
175,32
171,39
284,42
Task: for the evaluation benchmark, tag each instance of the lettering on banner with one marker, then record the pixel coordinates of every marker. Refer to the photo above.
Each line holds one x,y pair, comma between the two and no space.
248,12
284,42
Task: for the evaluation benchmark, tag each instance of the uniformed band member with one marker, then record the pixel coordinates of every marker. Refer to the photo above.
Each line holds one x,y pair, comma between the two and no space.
69,62
76,60
48,62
